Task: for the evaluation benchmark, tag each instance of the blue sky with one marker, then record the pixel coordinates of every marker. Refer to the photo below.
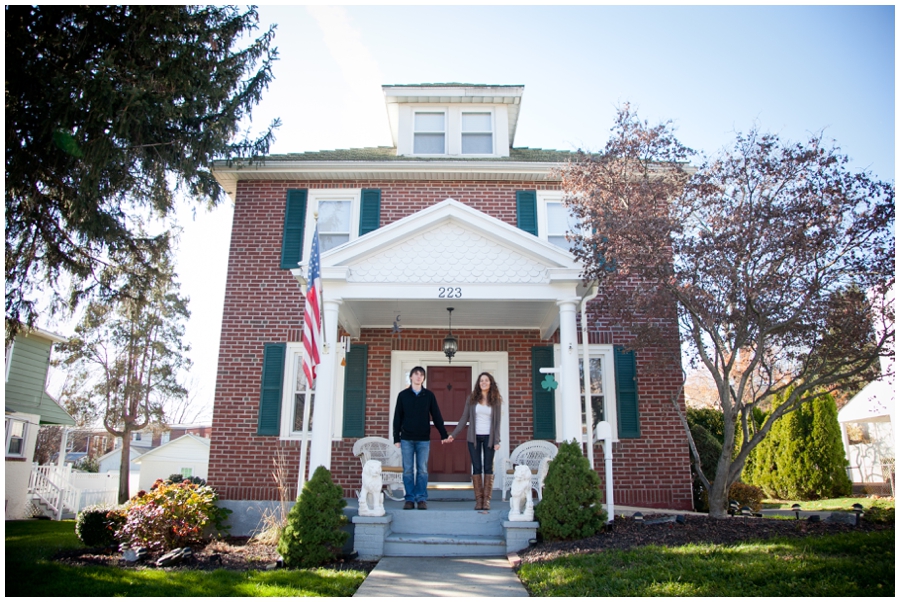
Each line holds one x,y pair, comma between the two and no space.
714,71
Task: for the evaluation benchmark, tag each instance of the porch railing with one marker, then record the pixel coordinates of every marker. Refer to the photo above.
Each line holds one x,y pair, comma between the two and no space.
53,486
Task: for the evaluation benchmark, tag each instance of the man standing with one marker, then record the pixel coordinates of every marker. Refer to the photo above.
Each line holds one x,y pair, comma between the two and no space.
412,434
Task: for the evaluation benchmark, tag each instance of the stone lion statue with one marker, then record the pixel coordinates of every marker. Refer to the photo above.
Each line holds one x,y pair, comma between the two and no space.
521,507
371,499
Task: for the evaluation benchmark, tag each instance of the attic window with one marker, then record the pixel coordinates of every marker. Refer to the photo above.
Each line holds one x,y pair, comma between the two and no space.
477,134
429,133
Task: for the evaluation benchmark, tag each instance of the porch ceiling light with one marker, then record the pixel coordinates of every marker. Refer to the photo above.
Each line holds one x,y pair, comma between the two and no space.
451,345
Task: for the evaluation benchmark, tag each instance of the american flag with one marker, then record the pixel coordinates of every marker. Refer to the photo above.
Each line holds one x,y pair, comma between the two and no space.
312,315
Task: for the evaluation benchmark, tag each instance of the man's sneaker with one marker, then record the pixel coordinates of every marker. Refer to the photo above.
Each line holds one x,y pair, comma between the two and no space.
423,505
408,506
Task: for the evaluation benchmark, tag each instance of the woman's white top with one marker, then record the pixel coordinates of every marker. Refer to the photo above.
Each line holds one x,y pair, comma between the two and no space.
482,419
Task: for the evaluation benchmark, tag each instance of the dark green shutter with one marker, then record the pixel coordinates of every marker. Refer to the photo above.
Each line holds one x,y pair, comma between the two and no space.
294,223
543,404
626,394
526,211
369,211
355,391
270,399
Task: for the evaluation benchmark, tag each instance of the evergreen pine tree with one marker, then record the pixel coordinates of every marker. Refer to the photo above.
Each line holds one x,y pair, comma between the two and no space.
822,457
313,534
571,505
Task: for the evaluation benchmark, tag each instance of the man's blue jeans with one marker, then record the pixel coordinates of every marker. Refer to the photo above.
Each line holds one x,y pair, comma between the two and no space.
415,453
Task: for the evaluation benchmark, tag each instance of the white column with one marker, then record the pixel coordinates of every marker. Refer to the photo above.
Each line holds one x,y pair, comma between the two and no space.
570,397
323,407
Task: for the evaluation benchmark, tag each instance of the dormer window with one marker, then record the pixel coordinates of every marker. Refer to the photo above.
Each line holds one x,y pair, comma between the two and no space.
429,133
477,134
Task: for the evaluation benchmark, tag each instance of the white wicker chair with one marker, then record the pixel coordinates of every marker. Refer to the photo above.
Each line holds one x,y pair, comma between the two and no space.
381,449
534,454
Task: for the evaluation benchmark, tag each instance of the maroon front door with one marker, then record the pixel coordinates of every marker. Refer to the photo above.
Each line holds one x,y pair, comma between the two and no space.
451,386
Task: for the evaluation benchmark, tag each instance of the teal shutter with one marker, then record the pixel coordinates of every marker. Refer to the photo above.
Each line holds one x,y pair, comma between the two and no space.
369,211
294,223
355,391
543,404
626,394
526,211
270,399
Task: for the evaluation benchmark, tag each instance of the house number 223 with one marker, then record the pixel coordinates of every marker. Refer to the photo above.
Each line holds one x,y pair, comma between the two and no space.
449,292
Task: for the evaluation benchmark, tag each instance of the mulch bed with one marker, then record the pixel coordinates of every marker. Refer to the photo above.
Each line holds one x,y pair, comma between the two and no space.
626,533
243,554
232,553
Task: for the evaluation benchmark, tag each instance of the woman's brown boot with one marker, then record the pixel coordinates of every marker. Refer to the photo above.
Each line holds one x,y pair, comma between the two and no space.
478,486
487,492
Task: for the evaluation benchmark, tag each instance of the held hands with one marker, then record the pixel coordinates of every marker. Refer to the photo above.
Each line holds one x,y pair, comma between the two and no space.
449,439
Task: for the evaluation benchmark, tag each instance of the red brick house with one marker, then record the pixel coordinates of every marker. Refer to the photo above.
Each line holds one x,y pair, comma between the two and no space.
451,216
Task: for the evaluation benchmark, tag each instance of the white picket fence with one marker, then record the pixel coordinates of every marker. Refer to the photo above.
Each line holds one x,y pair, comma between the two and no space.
65,490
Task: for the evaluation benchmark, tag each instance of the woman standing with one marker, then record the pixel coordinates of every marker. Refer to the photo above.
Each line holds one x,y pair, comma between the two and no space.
482,414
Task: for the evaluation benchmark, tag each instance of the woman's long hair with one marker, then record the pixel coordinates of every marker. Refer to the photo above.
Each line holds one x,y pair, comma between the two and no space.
494,397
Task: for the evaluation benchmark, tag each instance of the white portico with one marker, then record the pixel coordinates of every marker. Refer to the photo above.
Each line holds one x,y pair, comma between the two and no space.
494,275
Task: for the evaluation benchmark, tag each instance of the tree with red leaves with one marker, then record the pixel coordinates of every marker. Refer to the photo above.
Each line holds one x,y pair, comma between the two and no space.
758,250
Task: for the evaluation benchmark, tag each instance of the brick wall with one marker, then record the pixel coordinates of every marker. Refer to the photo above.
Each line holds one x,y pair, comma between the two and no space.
264,303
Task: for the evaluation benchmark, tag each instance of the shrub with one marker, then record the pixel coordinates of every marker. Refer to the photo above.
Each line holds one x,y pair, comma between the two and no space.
178,478
313,534
87,464
96,525
709,449
172,515
746,495
571,506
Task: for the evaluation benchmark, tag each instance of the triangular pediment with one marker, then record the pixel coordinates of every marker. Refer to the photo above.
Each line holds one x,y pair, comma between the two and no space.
450,242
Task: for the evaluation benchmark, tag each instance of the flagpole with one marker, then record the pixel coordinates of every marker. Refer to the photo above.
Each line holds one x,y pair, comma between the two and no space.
312,288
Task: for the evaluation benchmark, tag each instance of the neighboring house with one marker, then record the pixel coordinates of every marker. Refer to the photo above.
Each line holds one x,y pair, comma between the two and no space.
451,216
112,461
187,456
27,405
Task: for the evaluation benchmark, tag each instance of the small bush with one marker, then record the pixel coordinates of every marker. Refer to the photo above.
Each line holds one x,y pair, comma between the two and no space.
571,506
87,464
178,478
709,448
747,495
313,534
172,515
96,525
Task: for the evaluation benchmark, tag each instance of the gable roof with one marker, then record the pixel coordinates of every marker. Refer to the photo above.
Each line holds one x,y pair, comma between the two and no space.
169,450
26,378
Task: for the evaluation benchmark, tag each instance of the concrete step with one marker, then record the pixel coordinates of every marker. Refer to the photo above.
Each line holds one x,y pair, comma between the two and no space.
410,544
452,522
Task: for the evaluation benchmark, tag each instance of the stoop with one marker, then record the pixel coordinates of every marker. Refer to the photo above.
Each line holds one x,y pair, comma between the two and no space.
450,527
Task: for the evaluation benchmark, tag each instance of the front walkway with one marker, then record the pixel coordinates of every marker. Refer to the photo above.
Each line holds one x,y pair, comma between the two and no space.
399,577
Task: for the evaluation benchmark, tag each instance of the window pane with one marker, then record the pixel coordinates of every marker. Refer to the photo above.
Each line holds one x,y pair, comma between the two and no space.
429,122
428,144
16,428
476,122
334,216
330,241
15,446
477,144
299,400
560,222
596,384
299,374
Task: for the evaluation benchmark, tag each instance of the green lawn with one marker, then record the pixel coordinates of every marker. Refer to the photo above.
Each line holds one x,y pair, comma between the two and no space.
841,503
29,572
850,564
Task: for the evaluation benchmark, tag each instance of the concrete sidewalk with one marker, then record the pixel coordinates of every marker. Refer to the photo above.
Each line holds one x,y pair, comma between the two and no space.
404,577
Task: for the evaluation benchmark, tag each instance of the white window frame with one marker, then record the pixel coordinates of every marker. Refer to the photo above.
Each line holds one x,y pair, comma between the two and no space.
544,199
607,354
413,132
314,197
493,131
9,436
294,352
187,472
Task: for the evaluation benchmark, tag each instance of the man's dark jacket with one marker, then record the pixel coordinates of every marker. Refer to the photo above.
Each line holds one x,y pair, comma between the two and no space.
411,416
